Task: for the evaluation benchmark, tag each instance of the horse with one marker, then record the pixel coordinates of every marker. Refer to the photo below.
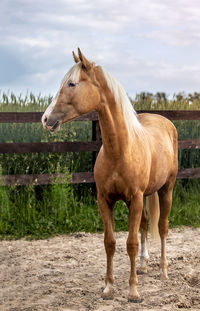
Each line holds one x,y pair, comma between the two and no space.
138,158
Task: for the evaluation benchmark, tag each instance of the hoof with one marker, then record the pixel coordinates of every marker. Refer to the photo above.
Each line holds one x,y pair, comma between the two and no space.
134,296
107,292
107,296
163,274
135,299
142,271
164,277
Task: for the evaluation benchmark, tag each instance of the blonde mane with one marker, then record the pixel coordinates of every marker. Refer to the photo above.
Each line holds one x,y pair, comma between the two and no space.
123,101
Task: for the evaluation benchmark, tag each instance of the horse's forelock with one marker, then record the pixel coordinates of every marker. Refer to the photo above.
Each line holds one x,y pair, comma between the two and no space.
73,74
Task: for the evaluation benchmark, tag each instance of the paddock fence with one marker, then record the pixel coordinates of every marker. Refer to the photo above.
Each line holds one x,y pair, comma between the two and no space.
81,146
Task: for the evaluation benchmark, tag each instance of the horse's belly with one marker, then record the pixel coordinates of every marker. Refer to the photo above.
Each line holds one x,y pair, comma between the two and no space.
156,182
154,186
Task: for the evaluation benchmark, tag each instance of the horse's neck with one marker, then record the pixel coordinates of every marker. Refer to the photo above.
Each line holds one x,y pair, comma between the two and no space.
115,133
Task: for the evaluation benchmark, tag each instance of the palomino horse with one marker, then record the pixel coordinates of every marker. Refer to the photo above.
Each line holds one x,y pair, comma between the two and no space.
138,158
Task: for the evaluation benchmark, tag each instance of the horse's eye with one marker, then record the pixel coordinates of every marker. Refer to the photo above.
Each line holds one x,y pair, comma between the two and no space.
71,84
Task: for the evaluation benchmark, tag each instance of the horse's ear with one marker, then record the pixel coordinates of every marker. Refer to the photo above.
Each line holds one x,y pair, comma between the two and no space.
76,58
85,62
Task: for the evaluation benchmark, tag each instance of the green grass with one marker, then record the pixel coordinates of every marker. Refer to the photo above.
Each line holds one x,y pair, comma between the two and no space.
186,204
43,211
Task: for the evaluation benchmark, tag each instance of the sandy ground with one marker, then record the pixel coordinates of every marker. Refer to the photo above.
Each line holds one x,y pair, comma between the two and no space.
66,273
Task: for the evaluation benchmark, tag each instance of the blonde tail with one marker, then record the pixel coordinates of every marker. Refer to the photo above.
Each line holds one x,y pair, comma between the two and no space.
154,211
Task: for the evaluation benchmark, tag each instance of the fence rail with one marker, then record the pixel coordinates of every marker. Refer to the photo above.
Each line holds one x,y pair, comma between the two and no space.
74,178
93,146
26,117
34,117
76,146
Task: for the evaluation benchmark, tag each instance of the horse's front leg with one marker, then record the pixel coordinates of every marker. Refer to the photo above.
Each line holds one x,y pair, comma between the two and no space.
135,213
107,213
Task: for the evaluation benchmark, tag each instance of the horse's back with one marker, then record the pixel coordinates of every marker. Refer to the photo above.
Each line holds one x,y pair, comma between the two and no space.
157,126
152,120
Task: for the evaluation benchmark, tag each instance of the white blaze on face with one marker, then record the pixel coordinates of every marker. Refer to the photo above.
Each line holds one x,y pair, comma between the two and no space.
73,75
48,111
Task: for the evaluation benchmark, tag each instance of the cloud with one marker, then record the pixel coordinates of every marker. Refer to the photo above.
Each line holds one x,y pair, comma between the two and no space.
147,44
175,23
11,67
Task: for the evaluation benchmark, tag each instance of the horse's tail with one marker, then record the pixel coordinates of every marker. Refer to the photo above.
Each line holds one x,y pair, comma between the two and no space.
154,211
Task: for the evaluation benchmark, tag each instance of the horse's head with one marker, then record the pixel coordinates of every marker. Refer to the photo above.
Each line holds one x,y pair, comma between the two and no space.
79,94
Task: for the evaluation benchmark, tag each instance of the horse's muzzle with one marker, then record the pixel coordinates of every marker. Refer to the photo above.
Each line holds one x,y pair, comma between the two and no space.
50,125
55,127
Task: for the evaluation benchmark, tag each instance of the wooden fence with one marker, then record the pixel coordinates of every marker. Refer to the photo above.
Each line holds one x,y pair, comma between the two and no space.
93,146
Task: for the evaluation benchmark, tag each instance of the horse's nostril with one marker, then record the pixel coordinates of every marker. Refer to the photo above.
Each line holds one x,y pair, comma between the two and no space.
45,119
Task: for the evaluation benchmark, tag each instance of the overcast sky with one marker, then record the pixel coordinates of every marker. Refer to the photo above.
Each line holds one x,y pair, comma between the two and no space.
148,45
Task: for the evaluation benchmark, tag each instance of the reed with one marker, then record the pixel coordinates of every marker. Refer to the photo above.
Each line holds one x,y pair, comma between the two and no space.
42,211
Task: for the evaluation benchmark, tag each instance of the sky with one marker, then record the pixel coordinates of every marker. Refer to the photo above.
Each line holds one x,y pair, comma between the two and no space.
147,45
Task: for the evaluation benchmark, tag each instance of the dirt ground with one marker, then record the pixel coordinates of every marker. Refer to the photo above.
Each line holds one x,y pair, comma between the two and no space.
66,273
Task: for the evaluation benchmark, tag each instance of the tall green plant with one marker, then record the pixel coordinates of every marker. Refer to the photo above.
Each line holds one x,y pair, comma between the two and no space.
41,211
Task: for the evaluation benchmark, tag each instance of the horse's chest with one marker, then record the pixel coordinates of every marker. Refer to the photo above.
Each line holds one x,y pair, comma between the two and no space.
117,187
121,178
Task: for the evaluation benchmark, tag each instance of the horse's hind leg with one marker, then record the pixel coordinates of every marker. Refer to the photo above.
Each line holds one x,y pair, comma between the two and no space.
107,213
144,255
165,199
